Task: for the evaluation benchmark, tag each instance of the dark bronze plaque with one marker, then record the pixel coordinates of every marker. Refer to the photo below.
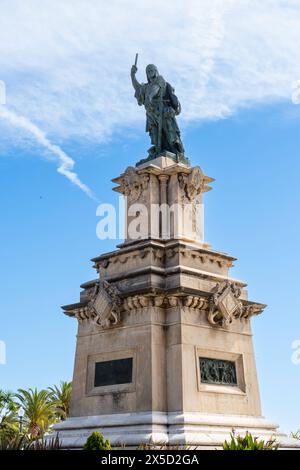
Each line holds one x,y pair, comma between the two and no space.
114,372
217,371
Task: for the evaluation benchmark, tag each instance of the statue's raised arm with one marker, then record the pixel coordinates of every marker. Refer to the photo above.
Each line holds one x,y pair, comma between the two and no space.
133,72
138,87
162,105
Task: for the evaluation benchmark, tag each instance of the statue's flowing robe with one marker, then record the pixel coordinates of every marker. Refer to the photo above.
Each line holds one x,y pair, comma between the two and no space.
149,95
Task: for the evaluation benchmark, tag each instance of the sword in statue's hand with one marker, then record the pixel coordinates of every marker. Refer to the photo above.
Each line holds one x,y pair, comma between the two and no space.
134,67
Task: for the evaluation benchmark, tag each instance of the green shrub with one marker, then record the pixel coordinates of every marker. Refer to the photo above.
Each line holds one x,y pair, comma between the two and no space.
247,442
96,442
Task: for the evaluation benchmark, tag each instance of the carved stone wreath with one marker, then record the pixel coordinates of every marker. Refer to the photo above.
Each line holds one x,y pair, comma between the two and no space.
193,184
133,184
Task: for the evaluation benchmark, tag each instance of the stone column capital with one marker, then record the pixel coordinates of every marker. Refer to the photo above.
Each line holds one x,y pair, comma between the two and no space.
163,178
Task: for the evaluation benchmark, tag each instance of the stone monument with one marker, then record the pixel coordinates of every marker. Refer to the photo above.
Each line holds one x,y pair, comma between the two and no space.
164,348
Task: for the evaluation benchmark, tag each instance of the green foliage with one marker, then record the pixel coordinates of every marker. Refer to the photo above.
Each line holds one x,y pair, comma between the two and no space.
39,411
61,396
96,442
247,442
24,442
16,442
8,415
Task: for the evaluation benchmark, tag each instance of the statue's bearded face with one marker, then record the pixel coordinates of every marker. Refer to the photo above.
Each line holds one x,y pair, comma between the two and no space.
151,72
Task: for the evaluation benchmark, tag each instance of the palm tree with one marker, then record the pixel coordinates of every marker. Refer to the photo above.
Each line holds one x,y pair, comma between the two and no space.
61,397
8,414
39,410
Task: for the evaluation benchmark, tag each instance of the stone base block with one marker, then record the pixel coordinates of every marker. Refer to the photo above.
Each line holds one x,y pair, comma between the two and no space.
196,430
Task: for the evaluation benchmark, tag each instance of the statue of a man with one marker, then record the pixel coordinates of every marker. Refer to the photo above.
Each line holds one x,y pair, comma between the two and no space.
161,106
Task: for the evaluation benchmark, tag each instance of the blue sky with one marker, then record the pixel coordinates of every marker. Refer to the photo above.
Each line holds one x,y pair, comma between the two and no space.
69,86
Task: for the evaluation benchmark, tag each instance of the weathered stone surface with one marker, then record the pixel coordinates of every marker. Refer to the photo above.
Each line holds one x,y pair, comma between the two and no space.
164,303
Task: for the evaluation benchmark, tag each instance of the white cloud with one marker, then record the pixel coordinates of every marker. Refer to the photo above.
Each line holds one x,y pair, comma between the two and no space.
66,64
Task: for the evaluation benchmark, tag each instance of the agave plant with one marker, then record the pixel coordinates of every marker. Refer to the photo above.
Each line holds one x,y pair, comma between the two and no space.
296,435
50,443
39,411
61,397
164,446
16,442
247,442
23,442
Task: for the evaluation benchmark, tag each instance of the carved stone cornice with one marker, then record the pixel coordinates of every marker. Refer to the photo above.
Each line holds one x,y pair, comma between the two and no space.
165,301
252,310
103,306
159,253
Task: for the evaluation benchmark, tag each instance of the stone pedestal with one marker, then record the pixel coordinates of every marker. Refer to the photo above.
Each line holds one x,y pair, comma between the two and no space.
163,200
164,348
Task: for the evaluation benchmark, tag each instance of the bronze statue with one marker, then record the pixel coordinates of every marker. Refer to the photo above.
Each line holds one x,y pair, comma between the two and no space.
162,105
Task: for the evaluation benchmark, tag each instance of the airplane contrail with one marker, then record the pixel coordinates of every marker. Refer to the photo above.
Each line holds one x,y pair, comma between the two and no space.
66,163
